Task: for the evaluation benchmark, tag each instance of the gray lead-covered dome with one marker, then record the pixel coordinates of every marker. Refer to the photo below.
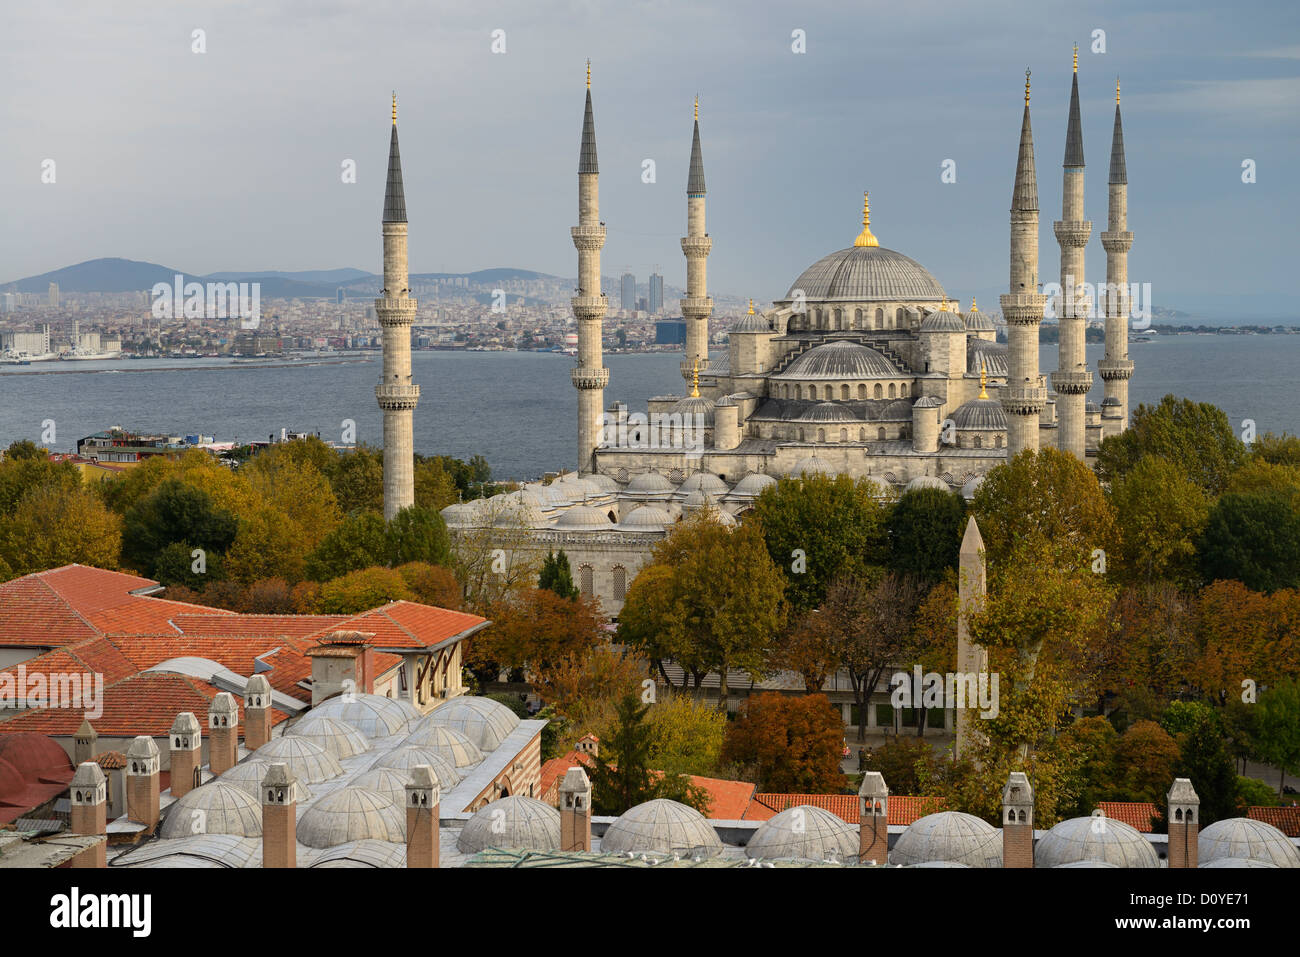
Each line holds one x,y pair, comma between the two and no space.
661,826
861,273
407,757
448,742
981,415
373,715
386,781
511,822
752,485
949,836
828,412
249,774
1094,838
1244,837
977,321
840,359
693,406
806,833
943,321
1221,862
351,814
484,721
337,737
215,808
309,762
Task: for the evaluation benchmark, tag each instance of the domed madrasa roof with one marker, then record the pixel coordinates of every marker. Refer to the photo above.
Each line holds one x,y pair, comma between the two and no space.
363,853
1244,837
485,722
1094,838
943,321
249,774
940,864
804,832
926,481
373,715
409,756
389,782
810,465
828,412
460,514
512,510
646,517
949,836
983,415
649,483
337,737
1237,862
864,273
217,807
602,482
584,518
351,814
511,822
308,761
752,485
661,826
448,742
702,481
840,359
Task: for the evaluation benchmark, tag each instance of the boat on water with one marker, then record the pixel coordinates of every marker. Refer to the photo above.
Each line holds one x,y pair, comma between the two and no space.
76,355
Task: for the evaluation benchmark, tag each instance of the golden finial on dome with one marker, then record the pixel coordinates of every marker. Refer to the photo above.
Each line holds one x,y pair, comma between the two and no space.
865,238
589,73
1026,86
1076,58
984,381
695,379
974,306
751,307
394,107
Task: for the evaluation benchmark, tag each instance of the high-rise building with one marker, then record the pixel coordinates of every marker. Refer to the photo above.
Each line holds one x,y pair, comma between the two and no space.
656,293
54,295
627,295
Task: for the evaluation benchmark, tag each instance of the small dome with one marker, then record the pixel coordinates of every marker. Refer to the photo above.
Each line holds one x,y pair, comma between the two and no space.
577,488
373,715
977,321
926,481
943,321
337,737
753,322
459,515
366,853
693,406
1238,862
840,359
703,481
583,518
1094,838
249,774
661,826
351,814
554,495
544,497
309,762
949,836
510,510
649,483
408,756
451,744
828,412
983,415
386,781
752,485
217,807
805,833
810,465
1091,407
602,482
485,722
928,402
511,822
646,517
1244,837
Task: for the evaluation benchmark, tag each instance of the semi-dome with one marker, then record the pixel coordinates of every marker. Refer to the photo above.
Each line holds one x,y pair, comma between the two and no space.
337,737
373,715
351,814
752,485
649,483
828,412
900,410
386,781
218,807
862,273
949,836
804,832
646,517
308,761
448,742
661,826
1244,837
943,321
810,465
840,359
512,822
1094,838
982,415
928,402
482,720
249,774
704,482
409,756
697,407
926,481
583,518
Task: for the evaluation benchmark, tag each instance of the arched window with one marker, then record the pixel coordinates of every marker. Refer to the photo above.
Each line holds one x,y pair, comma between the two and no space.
878,393
902,389
979,442
862,435
880,436
812,392
844,392
586,580
821,435
997,441
839,319
801,435
900,317
620,582
880,318
844,435
857,318
862,391
891,390
798,392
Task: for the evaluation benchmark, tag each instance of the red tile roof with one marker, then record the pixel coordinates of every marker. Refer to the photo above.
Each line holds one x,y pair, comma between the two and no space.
405,624
1136,814
902,809
728,800
111,760
1285,819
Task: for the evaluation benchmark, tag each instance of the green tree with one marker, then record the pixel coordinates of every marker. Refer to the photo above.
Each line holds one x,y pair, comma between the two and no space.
23,471
1252,538
1145,757
175,512
925,529
1161,515
1203,758
1281,449
687,736
435,489
360,541
1278,729
175,565
417,535
53,525
622,775
1195,437
362,590
1091,744
556,575
357,478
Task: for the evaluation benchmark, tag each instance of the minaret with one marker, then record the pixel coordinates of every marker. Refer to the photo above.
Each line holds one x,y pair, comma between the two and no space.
1072,380
697,306
395,308
1116,369
1024,397
590,375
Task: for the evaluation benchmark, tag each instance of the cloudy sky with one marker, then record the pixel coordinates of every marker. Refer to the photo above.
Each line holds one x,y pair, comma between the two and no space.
231,159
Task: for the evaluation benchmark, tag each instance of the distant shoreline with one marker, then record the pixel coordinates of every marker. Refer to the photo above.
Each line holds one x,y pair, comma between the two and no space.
194,368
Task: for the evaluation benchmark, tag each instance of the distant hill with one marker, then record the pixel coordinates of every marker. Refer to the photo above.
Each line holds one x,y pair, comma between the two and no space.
99,275
339,276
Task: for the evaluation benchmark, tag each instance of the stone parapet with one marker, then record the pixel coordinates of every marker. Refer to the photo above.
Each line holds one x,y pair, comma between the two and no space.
588,378
1072,232
1117,242
1072,383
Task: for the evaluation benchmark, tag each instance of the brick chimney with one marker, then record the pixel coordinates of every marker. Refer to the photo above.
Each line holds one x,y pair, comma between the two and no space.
342,662
1018,821
423,795
279,817
142,781
575,810
873,819
257,712
223,737
1184,825
186,753
83,748
89,816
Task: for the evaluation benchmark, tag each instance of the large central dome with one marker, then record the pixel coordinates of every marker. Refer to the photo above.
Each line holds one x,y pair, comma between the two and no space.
864,273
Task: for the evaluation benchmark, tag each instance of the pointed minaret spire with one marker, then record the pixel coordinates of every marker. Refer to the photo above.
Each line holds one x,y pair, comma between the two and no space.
1074,127
1118,170
695,179
696,244
587,152
1024,195
1116,368
394,195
